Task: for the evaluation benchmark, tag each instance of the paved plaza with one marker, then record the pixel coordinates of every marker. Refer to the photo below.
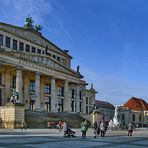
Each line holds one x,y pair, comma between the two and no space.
52,138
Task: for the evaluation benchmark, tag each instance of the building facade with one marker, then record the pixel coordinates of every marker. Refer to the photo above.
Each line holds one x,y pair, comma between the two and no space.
40,72
134,110
106,109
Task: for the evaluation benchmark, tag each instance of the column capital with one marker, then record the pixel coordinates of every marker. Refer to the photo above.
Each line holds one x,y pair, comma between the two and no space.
52,77
66,81
19,68
37,73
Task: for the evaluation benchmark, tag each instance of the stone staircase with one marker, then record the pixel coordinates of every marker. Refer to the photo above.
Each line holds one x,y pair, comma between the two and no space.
38,119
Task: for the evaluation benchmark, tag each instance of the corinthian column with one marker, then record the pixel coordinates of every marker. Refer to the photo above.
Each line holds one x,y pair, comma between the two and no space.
19,83
54,101
37,91
78,99
67,101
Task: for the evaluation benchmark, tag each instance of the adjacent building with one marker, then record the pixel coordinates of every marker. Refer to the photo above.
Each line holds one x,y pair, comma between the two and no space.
40,72
134,110
106,109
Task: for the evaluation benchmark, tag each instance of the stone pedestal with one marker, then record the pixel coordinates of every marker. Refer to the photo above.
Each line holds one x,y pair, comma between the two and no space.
12,115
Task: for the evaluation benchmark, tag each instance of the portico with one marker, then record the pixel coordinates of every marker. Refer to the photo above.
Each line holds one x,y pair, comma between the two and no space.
40,72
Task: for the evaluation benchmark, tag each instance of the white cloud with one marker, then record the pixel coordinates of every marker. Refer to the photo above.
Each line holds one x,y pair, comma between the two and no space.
19,9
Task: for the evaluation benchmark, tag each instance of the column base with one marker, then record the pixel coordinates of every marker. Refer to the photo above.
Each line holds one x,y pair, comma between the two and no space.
38,109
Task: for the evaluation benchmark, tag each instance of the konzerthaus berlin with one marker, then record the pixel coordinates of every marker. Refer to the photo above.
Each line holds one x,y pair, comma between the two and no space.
40,72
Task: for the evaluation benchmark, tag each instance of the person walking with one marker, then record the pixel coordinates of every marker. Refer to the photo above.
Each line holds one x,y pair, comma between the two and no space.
130,129
102,128
84,128
95,129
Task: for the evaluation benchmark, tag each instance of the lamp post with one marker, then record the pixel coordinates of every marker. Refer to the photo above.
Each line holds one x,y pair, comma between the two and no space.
94,109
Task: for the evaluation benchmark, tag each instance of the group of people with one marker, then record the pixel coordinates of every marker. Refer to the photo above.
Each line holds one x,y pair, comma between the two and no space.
100,128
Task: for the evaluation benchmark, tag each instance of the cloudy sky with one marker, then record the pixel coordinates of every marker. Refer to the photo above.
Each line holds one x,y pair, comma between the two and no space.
107,38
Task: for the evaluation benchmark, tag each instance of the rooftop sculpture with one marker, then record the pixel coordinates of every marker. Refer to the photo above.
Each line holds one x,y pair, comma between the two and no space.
29,24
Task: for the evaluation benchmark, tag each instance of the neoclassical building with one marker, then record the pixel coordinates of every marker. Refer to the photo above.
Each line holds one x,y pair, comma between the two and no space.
40,72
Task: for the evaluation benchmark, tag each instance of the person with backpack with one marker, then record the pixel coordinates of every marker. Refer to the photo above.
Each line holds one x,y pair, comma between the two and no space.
84,128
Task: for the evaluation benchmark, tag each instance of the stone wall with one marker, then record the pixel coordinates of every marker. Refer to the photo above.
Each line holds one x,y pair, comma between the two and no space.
11,115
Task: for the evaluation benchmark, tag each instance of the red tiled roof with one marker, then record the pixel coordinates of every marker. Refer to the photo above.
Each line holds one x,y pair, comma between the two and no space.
136,104
104,104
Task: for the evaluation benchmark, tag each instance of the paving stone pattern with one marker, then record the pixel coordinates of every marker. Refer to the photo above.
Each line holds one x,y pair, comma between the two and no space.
45,138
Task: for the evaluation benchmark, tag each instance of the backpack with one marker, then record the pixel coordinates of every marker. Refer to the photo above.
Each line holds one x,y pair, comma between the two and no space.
83,128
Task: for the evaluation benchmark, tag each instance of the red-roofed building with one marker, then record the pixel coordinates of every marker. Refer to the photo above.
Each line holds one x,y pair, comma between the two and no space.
136,104
134,110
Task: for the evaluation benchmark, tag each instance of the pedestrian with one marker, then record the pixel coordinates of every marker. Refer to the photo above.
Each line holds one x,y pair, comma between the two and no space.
102,129
23,125
60,126
84,128
95,129
98,129
65,128
130,129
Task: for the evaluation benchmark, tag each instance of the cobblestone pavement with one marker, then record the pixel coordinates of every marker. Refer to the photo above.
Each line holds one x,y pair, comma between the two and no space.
51,138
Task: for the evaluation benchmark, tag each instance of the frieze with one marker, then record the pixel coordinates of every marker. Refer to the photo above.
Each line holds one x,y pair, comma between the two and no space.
40,60
32,64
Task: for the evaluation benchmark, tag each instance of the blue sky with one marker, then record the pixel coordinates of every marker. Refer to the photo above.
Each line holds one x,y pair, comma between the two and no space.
107,38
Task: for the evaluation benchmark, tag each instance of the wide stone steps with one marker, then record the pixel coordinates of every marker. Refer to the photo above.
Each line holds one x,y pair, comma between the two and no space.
38,119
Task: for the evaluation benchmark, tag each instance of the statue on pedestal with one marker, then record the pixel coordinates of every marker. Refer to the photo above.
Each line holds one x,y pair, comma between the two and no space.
15,97
115,123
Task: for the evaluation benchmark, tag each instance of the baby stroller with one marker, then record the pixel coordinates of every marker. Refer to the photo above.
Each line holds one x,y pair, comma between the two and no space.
69,133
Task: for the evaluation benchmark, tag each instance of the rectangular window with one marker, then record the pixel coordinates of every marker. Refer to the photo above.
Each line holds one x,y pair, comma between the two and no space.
60,91
60,105
122,116
14,81
72,106
47,103
47,89
14,44
64,61
87,110
21,46
87,100
33,50
8,42
58,59
73,93
39,51
27,48
133,117
32,85
54,56
1,39
140,118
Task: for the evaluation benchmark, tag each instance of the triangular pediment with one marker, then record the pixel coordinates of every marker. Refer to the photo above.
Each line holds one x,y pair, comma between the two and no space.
32,36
